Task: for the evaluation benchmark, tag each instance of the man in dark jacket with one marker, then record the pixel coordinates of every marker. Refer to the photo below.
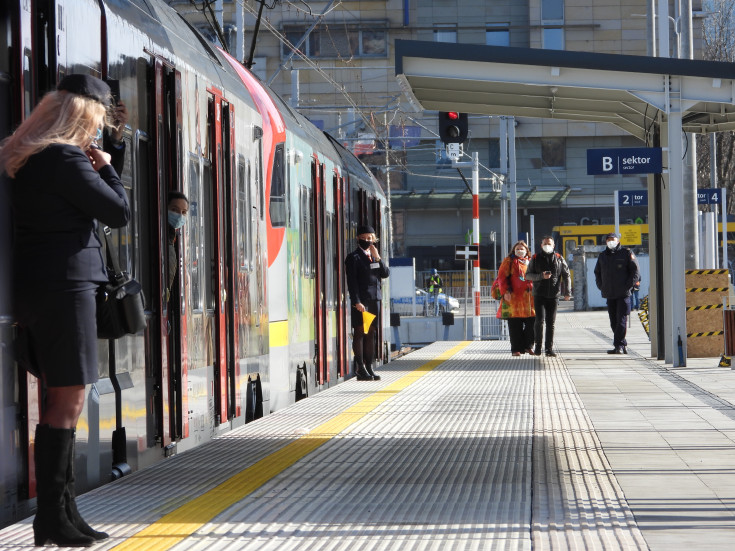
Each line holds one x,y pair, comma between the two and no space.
364,270
547,270
616,272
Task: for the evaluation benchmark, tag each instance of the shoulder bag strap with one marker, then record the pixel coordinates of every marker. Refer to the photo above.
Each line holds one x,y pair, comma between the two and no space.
112,260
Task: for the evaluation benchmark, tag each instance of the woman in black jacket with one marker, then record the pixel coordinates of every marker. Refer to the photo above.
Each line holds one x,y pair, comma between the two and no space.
61,184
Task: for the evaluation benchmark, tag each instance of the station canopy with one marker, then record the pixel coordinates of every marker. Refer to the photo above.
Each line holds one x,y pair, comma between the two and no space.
627,91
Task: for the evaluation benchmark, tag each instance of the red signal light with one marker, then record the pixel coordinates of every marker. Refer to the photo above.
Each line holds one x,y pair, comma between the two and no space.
452,115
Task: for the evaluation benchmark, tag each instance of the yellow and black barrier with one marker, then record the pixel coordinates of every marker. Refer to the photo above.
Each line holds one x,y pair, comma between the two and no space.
705,290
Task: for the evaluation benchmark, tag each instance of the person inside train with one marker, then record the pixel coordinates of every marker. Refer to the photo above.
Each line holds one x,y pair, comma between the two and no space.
62,184
112,137
365,269
178,208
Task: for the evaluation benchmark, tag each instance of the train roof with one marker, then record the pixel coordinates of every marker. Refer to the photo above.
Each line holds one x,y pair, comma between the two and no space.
174,39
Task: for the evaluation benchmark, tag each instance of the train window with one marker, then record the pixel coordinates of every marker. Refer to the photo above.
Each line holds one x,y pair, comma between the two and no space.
27,83
306,230
194,234
277,205
208,265
252,216
259,181
242,216
330,252
142,215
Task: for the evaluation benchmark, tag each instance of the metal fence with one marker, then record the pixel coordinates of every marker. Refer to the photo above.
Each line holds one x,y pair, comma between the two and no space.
491,328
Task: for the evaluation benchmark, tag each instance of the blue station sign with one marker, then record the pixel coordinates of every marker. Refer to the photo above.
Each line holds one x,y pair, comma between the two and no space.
635,198
624,160
709,196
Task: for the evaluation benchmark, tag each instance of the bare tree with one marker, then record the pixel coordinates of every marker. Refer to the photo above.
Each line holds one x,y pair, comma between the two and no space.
719,45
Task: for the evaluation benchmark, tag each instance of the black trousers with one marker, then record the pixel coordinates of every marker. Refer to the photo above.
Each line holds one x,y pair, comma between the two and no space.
545,313
363,344
521,334
618,309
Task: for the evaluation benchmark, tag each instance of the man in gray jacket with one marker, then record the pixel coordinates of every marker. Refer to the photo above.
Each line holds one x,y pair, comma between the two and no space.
616,272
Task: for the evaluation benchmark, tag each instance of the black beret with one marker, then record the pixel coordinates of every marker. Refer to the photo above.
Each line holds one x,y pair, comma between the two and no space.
364,229
87,86
612,234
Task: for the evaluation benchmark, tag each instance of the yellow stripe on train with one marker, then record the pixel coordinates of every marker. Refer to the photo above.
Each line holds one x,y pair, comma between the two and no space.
278,333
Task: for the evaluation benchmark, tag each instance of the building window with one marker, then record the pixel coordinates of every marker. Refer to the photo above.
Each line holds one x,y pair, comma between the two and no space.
552,10
553,38
339,41
552,19
445,33
553,152
494,153
497,34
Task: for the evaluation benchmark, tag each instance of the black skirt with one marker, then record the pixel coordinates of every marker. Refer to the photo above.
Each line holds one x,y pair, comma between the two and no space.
61,330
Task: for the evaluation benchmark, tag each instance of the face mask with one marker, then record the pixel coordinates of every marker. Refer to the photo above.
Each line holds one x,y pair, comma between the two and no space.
612,243
521,252
176,220
97,137
547,248
364,245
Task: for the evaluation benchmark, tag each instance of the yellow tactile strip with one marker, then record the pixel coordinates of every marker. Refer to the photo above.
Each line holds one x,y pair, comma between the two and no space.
185,520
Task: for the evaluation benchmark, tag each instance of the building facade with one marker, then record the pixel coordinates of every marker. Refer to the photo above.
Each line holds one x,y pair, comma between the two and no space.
334,62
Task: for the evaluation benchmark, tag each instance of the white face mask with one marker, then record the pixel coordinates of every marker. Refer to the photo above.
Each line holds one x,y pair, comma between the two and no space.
521,252
547,248
612,243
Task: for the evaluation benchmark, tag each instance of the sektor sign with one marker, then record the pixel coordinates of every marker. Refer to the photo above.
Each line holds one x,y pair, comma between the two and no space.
625,160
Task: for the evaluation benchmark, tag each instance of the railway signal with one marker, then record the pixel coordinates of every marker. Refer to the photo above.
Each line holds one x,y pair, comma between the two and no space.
453,127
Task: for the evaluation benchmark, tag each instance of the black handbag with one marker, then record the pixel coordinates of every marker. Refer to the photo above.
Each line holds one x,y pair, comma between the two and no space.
120,308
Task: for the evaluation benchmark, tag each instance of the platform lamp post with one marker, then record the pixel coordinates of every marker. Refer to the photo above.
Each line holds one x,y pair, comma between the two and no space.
493,237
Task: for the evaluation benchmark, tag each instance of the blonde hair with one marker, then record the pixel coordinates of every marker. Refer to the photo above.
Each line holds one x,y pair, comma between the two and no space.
60,118
523,243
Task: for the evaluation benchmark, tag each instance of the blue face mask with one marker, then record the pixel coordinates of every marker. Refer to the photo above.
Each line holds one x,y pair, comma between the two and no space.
97,137
176,220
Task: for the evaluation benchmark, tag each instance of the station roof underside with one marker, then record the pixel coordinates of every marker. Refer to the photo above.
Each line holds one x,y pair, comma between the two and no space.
463,200
627,91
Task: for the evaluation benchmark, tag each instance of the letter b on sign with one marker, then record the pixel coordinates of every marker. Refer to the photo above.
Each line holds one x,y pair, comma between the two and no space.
607,164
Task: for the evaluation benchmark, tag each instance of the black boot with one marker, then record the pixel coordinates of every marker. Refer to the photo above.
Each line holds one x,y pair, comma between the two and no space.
51,453
70,499
369,369
361,373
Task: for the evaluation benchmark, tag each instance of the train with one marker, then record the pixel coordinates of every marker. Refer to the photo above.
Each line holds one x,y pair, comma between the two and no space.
261,317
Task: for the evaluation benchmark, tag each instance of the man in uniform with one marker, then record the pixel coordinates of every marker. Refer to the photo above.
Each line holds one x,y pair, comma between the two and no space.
365,269
616,272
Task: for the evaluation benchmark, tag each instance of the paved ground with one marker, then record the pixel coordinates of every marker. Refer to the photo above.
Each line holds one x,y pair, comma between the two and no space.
460,446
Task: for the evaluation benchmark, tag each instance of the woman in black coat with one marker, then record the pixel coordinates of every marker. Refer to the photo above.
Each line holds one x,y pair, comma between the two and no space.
61,183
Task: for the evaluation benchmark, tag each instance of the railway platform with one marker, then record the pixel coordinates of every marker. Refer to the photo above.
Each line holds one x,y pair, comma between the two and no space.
459,446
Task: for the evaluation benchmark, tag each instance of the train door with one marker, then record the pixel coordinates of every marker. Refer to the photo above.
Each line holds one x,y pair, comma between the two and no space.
167,368
219,212
320,286
338,253
377,215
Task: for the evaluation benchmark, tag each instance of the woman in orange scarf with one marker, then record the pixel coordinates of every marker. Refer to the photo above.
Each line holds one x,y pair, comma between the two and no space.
516,304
